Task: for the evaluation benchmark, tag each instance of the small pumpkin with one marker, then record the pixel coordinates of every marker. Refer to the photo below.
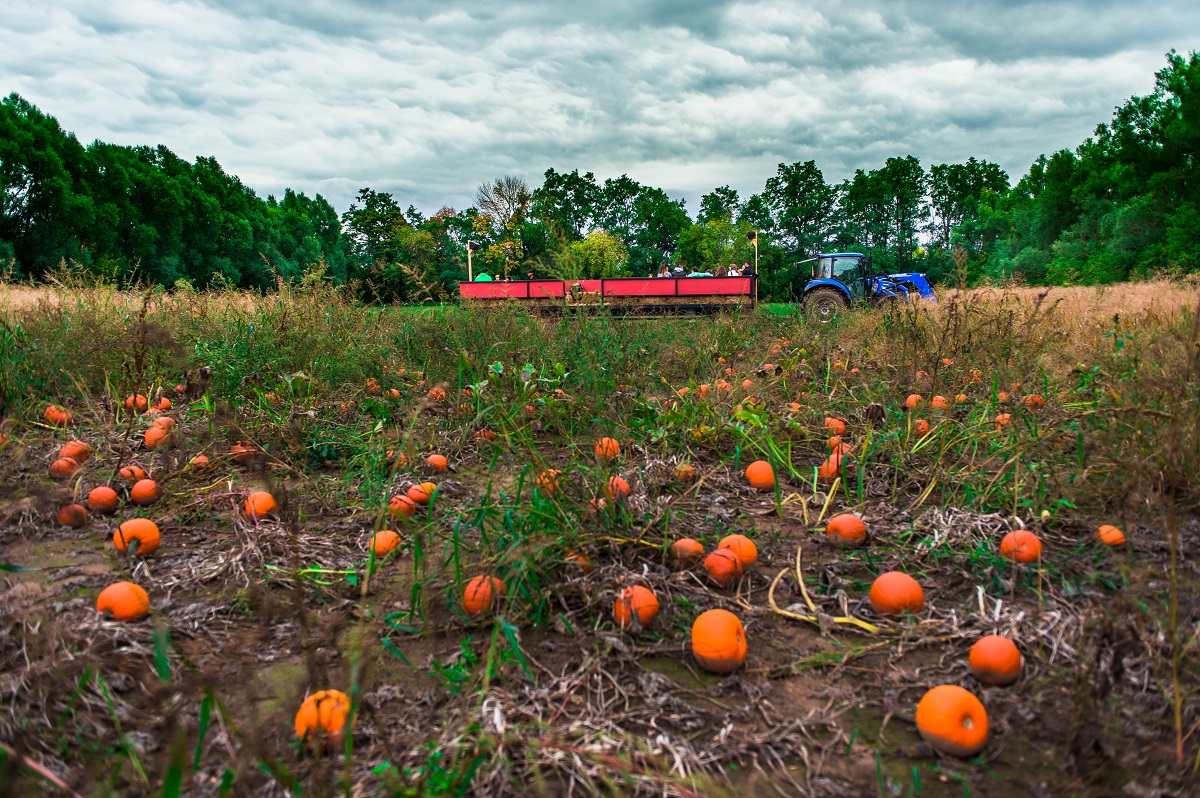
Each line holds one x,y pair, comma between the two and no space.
165,423
482,595
742,547
136,402
921,427
132,472
960,398
747,384
1109,535
939,403
145,492
835,425
162,405
550,481
438,463
761,475
243,452
686,552
953,721
914,400
124,600
846,529
1021,545
400,506
102,499
1003,420
76,450
143,530
995,660
422,493
894,592
685,472
155,437
485,435
321,719
57,416
616,488
436,394
607,449
1033,401
64,468
260,504
635,602
831,468
200,461
384,541
582,560
73,515
723,567
718,641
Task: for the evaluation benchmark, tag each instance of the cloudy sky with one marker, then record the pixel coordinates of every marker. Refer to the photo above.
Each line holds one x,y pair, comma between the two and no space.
429,99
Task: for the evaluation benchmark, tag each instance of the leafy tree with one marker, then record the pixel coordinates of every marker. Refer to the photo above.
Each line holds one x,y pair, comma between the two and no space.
722,203
802,207
567,203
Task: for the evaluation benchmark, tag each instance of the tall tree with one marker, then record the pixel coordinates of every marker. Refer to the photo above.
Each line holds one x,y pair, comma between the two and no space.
503,207
802,206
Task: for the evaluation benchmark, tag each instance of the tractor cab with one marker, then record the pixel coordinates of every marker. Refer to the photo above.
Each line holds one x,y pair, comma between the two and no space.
850,270
840,279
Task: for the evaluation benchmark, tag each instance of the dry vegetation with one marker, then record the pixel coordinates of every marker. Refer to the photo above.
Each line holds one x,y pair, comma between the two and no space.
549,696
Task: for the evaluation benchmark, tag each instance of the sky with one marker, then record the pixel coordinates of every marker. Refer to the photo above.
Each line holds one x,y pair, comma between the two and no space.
427,100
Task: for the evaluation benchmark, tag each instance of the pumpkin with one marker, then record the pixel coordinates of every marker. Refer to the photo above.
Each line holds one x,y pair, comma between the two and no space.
742,547
57,416
580,559
143,530
921,427
995,660
384,541
243,453
846,529
550,481
422,493
939,403
960,398
1034,401
164,423
835,425
1021,545
831,468
438,463
747,385
953,721
607,449
482,594
894,592
794,407
485,435
616,488
635,601
723,567
686,552
718,641
1002,396
139,402
76,450
947,361
396,459
102,499
155,437
162,405
400,506
64,468
834,444
703,389
1109,535
124,600
436,394
372,386
322,717
260,503
73,515
761,475
1003,420
199,461
685,472
144,492
132,472
914,400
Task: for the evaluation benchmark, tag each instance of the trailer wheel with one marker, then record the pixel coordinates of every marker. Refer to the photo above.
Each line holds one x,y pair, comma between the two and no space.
823,304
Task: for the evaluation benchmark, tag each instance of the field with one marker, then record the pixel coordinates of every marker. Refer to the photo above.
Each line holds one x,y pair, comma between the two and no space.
1063,411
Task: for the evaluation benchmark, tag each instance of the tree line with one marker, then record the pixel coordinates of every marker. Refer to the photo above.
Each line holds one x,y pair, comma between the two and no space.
1124,204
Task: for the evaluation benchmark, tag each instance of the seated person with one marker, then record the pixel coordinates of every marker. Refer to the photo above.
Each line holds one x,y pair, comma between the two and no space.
747,270
677,271
663,272
483,277
699,274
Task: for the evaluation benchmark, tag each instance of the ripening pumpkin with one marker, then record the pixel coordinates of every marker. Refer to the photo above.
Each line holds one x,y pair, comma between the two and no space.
144,492
747,384
482,594
616,488
834,443
1003,420
960,398
939,403
921,427
718,641
742,547
582,560
550,481
200,461
723,567
894,592
953,721
76,450
995,660
132,472
835,425
57,416
422,493
1002,396
396,459
102,499
438,463
384,541
607,449
436,394
259,504
485,435
914,400
73,515
125,600
1021,545
635,602
243,453
685,472
400,506
138,402
1033,401
155,437
1109,535
761,475
321,719
831,468
162,405
64,468
846,529
686,552
143,530
165,423
947,361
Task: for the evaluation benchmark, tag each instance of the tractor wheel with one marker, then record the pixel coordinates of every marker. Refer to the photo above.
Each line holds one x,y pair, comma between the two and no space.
823,304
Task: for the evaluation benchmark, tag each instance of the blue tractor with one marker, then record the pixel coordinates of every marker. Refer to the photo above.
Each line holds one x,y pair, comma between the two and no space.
841,278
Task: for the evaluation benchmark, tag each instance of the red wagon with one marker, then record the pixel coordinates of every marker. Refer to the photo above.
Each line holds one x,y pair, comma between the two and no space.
621,294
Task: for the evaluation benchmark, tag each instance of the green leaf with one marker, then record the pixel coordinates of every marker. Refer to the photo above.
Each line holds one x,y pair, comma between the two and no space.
16,569
162,650
390,646
514,645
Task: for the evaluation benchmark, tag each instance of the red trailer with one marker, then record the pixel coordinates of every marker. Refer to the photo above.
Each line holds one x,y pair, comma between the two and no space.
621,294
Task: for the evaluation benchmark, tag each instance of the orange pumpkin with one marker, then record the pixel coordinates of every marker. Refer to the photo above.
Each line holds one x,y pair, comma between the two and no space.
960,398
144,492
400,506
164,423
846,529
742,547
132,472
835,425
482,594
550,481
995,660
373,387
616,488
73,515
947,361
1002,396
747,384
260,504
718,641
243,453
485,435
607,449
436,394
138,402
914,400
834,443
635,601
162,405
155,437
831,468
1109,535
939,403
685,472
761,475
894,592
64,468
438,463
686,552
1033,401
321,719
124,600
57,416
423,493
396,459
199,461
384,541
1021,545
1003,420
921,427
723,567
76,450
143,530
102,499
580,559
953,721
